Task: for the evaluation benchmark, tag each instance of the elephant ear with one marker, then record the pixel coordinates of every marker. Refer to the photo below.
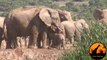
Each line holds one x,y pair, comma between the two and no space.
45,16
68,15
98,14
65,15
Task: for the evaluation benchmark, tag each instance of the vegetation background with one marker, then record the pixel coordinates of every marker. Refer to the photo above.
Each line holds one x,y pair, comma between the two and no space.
79,9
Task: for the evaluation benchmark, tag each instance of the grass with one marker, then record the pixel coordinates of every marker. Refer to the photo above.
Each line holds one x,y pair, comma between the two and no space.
98,33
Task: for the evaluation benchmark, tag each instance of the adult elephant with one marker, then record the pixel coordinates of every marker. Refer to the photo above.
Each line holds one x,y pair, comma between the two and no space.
100,15
74,29
60,36
1,29
30,22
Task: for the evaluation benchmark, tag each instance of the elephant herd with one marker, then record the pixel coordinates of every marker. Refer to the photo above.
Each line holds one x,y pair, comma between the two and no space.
45,27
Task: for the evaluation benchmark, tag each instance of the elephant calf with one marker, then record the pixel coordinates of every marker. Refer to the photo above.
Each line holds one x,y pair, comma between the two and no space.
57,40
69,30
80,25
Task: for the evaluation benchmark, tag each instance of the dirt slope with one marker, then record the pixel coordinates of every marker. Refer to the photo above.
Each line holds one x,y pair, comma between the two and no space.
30,54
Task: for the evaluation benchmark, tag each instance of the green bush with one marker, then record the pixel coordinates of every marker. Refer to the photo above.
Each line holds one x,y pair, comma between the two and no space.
98,33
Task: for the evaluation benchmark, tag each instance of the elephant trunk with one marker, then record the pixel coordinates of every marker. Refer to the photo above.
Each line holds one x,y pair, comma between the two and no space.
59,29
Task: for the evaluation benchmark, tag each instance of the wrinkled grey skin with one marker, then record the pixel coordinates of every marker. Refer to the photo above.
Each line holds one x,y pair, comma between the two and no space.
57,39
31,22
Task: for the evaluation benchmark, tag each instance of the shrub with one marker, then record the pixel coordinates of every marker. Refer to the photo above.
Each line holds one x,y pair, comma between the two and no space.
98,32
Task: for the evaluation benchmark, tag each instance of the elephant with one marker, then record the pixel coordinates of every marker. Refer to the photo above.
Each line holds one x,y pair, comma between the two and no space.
69,30
65,15
30,22
1,29
73,29
80,25
100,15
57,40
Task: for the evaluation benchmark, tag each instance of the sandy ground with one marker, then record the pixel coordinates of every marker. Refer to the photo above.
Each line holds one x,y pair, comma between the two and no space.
29,54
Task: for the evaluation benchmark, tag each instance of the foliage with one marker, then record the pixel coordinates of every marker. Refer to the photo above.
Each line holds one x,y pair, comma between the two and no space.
83,9
80,10
98,33
8,5
98,4
80,0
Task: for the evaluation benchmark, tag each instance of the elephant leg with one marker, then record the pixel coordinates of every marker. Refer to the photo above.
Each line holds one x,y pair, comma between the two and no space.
8,42
39,43
44,40
1,36
15,42
30,41
23,42
26,41
62,41
39,40
60,45
11,39
33,38
0,42
72,39
49,43
33,41
63,44
79,37
19,41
